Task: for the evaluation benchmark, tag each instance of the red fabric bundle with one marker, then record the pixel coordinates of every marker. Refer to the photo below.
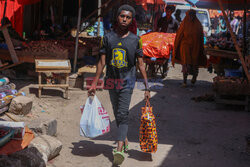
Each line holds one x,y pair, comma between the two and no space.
158,44
14,12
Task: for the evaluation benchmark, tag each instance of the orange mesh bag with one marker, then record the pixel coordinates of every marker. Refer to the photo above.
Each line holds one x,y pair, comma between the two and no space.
158,44
148,134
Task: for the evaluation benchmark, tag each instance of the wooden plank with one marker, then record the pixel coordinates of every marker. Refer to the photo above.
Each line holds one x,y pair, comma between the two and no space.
10,44
52,67
54,86
3,65
247,58
231,102
67,88
235,41
12,65
39,82
222,53
54,71
52,60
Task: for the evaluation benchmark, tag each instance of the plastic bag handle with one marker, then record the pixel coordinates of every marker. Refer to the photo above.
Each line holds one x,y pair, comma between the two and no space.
147,104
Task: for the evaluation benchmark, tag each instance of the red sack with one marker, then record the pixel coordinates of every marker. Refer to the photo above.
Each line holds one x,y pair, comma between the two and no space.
158,44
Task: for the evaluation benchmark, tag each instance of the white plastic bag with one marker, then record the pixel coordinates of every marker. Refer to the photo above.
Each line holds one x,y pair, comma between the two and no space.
94,120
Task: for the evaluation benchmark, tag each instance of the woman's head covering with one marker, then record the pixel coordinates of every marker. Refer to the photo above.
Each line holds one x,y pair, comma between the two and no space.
192,14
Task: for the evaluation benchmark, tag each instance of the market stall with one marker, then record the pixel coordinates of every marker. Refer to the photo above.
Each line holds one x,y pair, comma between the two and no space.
231,90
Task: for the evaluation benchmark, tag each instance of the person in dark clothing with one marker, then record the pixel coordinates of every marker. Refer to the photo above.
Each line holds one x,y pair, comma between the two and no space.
48,29
168,24
120,51
178,15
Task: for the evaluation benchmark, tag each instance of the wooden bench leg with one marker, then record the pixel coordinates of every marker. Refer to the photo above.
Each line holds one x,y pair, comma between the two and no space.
67,88
39,83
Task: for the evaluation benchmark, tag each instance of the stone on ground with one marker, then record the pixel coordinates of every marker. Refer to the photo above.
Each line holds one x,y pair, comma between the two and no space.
21,105
43,126
48,146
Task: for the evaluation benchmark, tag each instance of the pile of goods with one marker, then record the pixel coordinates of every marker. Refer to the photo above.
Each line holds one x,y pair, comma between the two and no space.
7,93
45,49
91,42
11,130
231,85
157,44
223,43
85,44
5,135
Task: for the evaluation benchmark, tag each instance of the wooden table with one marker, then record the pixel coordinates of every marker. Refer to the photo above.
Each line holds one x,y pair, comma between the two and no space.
222,53
53,66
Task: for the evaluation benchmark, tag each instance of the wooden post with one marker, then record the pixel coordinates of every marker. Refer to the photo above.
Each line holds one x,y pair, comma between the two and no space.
99,19
235,41
4,11
9,43
39,84
67,88
77,33
245,29
94,12
153,19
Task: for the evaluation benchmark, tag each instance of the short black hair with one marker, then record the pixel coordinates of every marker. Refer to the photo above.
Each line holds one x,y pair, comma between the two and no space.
127,8
170,7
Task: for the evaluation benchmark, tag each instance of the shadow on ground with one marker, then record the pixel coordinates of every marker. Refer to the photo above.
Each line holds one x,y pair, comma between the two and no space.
47,92
91,149
201,135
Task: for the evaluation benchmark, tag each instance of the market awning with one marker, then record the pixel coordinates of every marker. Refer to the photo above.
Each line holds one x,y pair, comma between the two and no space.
227,4
149,1
176,2
27,2
144,3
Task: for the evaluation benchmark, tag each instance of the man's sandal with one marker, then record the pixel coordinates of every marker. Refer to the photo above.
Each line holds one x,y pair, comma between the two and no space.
125,148
118,157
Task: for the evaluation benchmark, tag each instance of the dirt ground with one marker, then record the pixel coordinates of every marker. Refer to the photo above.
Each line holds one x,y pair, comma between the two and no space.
190,134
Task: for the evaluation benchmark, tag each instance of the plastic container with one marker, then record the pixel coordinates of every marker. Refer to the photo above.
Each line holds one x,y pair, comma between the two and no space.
5,139
153,59
4,81
232,73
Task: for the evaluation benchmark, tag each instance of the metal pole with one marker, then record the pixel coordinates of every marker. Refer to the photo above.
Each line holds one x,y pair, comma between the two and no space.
245,29
77,34
99,18
153,19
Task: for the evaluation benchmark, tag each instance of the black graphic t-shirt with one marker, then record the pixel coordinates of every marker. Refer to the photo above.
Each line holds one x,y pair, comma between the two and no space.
121,54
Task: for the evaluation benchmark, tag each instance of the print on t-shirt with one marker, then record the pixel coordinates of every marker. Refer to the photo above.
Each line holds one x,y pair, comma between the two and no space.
119,58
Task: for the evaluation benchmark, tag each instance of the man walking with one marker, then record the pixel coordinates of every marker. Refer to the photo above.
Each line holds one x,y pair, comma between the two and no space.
120,51
167,24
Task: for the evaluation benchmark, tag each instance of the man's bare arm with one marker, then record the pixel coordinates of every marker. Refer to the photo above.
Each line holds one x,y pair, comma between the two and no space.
144,75
99,70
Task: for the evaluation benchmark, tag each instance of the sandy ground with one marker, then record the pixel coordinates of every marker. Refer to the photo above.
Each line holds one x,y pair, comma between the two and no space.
190,134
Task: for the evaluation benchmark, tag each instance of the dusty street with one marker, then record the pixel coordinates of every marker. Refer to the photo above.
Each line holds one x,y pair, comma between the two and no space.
190,134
